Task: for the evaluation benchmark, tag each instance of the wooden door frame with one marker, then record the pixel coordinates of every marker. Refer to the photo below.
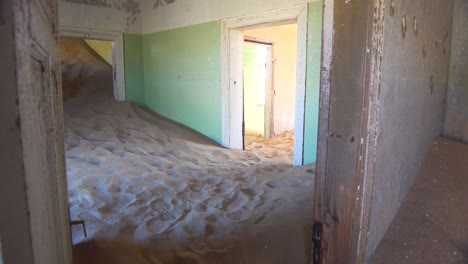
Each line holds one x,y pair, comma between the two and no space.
118,65
232,96
352,35
34,197
269,129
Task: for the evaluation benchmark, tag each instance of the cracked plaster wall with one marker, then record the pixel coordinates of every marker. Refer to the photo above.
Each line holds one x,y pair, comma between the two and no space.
105,15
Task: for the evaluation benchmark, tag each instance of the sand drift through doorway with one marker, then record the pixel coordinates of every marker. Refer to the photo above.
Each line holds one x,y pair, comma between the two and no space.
117,53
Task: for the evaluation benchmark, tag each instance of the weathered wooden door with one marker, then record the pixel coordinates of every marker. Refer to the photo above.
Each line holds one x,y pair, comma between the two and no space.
350,81
36,171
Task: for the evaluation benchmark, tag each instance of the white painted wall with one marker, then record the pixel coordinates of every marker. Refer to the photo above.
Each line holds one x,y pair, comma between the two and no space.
180,13
284,40
106,15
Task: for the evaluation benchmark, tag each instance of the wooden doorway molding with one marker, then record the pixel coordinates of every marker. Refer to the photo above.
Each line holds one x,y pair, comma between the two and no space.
233,65
34,226
352,52
118,66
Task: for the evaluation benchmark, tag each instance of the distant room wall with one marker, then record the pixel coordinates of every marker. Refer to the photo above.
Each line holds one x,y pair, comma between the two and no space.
456,116
254,88
412,100
284,80
102,48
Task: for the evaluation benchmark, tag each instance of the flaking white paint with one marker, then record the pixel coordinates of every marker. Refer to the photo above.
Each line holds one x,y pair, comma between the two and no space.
111,17
182,13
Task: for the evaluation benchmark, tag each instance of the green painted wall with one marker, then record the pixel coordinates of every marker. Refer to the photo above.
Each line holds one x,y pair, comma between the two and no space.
314,46
180,76
182,70
133,60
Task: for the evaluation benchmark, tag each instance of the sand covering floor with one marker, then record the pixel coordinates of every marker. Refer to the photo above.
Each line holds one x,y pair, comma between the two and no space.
431,226
139,180
280,145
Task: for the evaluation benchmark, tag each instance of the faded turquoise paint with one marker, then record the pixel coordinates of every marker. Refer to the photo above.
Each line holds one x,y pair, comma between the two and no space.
314,46
133,60
182,70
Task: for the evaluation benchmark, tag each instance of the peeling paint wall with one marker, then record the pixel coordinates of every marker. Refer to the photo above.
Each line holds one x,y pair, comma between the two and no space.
456,116
106,15
417,41
159,15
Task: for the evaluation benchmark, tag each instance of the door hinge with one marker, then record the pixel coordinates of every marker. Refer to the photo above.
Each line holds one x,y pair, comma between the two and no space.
317,243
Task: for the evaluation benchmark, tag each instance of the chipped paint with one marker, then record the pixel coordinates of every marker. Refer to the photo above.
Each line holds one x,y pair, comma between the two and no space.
159,3
101,14
391,10
415,25
98,3
403,26
413,86
432,84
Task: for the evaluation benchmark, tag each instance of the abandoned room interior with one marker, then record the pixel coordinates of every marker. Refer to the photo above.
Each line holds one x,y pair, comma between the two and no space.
216,131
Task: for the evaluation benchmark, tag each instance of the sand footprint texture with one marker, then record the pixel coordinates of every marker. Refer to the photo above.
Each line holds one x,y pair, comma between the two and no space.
143,184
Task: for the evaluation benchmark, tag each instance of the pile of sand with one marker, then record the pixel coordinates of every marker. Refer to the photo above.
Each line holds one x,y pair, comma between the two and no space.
138,179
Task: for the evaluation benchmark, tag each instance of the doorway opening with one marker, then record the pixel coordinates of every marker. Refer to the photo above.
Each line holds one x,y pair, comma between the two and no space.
270,90
84,61
234,119
88,89
98,41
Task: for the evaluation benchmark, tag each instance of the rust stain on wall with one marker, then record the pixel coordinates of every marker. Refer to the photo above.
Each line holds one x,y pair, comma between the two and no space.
99,3
130,7
403,26
159,3
392,8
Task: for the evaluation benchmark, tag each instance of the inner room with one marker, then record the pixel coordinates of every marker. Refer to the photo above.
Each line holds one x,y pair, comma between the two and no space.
270,90
149,170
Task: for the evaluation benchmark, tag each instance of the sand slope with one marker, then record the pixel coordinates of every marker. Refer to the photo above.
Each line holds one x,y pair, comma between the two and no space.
153,185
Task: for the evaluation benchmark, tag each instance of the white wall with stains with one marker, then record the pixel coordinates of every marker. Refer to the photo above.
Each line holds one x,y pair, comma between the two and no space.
159,15
105,15
417,41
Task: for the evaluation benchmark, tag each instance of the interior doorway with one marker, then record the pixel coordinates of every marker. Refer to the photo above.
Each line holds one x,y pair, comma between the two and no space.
270,89
117,53
82,59
235,32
